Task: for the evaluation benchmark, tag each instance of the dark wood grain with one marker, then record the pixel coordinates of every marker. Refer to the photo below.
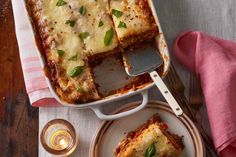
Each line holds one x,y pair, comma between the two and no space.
18,120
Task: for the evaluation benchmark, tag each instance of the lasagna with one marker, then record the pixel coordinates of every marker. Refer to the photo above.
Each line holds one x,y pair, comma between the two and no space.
133,21
150,140
72,33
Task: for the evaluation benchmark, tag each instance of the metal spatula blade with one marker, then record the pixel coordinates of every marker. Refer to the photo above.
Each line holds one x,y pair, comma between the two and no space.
141,61
146,60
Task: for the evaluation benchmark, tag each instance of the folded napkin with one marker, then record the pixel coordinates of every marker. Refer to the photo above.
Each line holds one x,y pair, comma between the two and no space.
214,60
35,81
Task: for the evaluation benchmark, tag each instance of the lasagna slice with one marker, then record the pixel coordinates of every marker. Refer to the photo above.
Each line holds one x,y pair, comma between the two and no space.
133,21
93,23
62,45
151,139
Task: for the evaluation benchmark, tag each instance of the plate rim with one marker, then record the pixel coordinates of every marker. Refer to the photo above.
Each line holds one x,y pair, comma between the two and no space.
192,129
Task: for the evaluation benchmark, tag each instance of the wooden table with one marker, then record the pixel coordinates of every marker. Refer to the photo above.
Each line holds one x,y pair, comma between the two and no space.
19,122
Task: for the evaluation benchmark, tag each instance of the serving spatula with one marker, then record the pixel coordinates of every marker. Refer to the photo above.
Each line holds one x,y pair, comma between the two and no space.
146,60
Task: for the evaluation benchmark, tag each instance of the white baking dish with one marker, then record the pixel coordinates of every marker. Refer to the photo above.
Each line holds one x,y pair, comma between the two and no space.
96,105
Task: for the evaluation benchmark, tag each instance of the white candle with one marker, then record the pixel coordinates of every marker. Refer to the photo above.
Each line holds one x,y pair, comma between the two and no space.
60,139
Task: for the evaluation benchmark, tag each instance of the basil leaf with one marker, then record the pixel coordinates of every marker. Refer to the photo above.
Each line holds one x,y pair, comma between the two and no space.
83,35
150,151
73,58
117,13
122,25
61,3
108,37
80,89
82,10
100,24
60,53
76,71
71,23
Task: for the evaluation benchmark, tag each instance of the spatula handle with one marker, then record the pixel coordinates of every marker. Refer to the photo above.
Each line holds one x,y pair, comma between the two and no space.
166,93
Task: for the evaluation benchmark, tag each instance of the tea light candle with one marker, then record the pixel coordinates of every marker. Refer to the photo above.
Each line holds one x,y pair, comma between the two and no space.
59,137
60,140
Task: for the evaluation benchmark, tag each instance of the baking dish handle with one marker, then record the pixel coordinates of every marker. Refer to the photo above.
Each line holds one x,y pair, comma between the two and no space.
102,116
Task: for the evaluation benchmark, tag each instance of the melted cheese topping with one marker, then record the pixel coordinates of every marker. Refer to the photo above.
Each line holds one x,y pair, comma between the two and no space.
66,38
152,134
96,11
134,16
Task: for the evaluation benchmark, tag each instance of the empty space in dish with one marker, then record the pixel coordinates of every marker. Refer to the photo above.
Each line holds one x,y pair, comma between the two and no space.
111,78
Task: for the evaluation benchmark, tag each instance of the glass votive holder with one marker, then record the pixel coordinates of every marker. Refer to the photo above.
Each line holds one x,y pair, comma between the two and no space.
59,137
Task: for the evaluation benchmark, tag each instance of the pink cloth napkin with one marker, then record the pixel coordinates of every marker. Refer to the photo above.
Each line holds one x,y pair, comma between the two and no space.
214,60
35,81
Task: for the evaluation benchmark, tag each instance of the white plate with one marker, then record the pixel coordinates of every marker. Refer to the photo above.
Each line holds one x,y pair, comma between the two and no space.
110,133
